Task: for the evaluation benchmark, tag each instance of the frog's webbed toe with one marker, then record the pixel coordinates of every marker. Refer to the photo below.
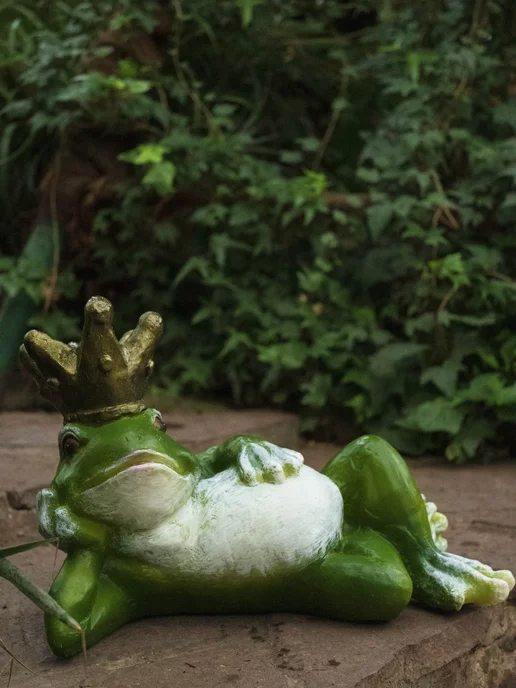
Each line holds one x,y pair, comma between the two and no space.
448,581
438,525
501,574
507,576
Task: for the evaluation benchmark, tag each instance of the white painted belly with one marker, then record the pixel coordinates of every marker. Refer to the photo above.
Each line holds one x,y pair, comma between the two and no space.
228,527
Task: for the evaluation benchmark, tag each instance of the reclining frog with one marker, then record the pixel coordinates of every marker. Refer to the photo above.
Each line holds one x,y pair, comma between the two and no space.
151,528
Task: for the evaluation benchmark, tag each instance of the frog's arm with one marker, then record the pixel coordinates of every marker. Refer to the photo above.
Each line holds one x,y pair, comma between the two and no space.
90,597
80,587
256,460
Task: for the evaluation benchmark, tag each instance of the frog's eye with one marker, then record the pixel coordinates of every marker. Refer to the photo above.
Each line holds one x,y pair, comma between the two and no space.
159,424
70,445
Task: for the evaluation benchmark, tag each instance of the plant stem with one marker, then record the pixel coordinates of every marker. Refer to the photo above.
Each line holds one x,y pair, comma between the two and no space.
37,595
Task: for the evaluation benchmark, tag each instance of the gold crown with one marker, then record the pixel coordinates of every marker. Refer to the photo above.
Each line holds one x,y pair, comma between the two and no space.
100,378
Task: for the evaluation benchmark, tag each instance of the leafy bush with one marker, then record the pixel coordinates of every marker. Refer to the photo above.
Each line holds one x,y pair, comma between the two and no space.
318,196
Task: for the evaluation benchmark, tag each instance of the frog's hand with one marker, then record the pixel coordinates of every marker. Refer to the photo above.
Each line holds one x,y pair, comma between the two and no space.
46,505
256,460
72,531
438,524
263,462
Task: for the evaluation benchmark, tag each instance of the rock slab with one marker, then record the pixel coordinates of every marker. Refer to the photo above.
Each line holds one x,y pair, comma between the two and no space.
475,648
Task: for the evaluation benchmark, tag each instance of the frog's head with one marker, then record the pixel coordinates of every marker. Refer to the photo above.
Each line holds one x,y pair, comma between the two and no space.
127,473
117,464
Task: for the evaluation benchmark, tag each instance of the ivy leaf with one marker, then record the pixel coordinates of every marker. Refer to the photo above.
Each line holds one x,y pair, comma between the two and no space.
452,267
483,388
361,405
506,396
166,232
290,355
317,390
385,264
161,177
220,243
410,442
340,104
235,341
82,88
291,157
193,264
384,363
444,377
128,69
506,414
309,144
505,113
437,415
378,217
403,205
466,444
224,110
509,202
144,154
422,323
246,10
210,215
472,320
340,217
485,257
137,85
368,175
415,60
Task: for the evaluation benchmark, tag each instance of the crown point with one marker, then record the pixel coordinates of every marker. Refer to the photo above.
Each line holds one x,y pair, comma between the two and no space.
99,309
149,369
31,338
152,322
53,383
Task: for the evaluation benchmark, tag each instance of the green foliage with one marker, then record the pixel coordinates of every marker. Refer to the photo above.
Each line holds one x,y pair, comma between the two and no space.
320,200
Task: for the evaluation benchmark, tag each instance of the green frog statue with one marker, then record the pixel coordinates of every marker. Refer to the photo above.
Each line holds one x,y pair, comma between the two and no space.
151,528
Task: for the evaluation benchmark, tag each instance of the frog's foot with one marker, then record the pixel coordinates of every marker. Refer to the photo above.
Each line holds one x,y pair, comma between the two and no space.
448,581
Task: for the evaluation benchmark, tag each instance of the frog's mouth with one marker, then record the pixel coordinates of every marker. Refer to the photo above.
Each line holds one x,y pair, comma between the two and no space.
138,459
139,491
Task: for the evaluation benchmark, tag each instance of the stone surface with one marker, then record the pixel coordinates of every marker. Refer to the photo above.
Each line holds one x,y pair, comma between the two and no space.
475,648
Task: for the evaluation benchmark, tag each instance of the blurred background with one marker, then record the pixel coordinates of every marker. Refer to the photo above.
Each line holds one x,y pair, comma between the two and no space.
318,196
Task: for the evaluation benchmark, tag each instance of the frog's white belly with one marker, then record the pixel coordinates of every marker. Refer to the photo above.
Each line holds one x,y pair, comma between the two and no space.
228,527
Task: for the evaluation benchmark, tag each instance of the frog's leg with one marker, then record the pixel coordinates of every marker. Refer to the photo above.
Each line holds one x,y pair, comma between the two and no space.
363,580
380,494
91,598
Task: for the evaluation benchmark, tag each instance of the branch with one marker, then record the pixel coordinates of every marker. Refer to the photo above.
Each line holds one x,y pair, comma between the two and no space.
336,199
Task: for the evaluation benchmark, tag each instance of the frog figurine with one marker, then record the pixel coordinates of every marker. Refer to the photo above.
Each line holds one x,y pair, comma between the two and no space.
150,528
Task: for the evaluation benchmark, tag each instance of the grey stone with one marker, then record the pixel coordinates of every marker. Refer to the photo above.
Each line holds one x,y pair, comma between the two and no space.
475,648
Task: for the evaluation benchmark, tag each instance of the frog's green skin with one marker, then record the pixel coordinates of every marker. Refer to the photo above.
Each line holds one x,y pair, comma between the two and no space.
146,529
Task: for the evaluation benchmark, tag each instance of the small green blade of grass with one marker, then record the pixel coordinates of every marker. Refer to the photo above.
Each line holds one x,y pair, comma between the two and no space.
37,595
10,551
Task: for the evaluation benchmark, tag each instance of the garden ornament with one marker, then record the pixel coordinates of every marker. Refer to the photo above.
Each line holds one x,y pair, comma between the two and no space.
151,528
